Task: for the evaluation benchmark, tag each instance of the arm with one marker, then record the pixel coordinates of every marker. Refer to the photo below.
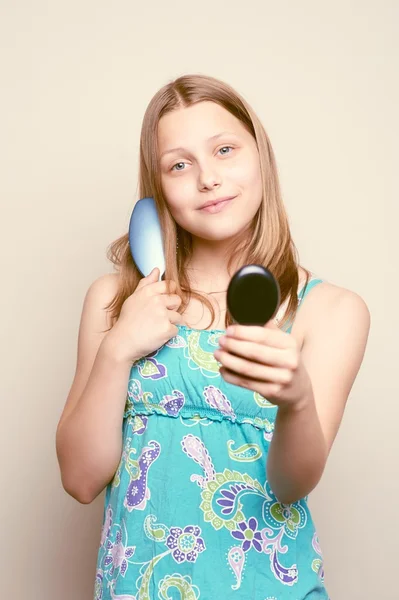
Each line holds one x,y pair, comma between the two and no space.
89,433
310,386
298,452
333,350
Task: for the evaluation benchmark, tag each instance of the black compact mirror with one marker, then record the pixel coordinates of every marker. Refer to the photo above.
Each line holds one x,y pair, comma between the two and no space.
253,295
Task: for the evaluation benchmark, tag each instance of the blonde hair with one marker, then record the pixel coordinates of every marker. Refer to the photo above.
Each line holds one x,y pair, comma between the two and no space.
268,242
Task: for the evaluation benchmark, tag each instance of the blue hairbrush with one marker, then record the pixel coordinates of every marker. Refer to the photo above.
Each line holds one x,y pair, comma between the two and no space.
145,238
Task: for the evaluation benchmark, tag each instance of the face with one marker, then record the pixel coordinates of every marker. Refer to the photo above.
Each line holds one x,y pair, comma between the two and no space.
206,154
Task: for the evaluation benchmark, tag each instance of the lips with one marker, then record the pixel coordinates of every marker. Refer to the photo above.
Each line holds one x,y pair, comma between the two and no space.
216,202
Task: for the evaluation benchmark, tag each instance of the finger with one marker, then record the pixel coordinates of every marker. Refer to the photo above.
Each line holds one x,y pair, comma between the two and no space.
260,335
260,353
175,317
272,324
267,390
252,370
150,278
172,301
161,287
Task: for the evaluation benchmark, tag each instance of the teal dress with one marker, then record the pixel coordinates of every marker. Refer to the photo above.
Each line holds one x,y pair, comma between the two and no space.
189,513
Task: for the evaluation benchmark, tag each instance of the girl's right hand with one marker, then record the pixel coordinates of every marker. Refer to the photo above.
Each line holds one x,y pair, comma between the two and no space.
147,320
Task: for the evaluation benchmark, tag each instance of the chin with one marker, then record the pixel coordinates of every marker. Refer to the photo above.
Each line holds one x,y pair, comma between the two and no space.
218,233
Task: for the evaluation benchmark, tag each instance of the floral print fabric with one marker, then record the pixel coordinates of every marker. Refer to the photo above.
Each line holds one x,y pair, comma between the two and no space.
189,513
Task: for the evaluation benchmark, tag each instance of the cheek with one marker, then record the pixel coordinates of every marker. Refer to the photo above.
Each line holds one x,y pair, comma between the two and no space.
176,193
247,177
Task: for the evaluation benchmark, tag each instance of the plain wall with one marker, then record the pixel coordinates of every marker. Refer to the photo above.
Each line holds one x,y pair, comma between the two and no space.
76,78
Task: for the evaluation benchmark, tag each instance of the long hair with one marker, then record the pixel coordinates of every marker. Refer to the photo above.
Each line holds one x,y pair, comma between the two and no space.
268,241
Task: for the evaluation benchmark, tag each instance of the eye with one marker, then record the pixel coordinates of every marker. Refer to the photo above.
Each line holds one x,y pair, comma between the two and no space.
176,165
226,148
179,164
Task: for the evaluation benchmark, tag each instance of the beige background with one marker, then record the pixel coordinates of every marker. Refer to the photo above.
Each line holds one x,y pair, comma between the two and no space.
76,77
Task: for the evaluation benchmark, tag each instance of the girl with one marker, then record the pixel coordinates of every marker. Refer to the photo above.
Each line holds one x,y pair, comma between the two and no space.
208,435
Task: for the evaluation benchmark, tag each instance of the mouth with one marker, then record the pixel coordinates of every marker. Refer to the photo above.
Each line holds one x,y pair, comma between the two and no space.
215,205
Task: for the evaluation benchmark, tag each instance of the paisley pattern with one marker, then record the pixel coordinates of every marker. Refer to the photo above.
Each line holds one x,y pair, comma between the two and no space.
189,513
137,492
245,453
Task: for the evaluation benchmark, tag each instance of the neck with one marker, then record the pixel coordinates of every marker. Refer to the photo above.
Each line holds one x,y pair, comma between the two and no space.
207,270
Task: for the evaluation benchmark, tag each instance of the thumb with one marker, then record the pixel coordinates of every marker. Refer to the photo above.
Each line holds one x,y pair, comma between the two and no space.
150,278
272,324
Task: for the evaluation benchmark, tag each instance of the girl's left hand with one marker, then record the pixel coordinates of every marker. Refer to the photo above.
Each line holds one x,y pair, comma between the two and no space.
265,360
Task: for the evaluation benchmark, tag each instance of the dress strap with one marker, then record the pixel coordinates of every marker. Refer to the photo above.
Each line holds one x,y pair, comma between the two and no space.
313,281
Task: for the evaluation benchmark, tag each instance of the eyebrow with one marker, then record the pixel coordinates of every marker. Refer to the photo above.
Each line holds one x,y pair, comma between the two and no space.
214,137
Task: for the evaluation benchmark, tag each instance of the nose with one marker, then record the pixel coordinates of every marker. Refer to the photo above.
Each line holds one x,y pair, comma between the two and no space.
208,177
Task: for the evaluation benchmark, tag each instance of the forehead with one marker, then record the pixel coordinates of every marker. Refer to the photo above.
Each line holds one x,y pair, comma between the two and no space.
187,126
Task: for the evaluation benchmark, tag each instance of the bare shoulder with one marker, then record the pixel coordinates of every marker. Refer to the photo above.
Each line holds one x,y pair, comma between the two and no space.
328,305
327,296
100,293
105,285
